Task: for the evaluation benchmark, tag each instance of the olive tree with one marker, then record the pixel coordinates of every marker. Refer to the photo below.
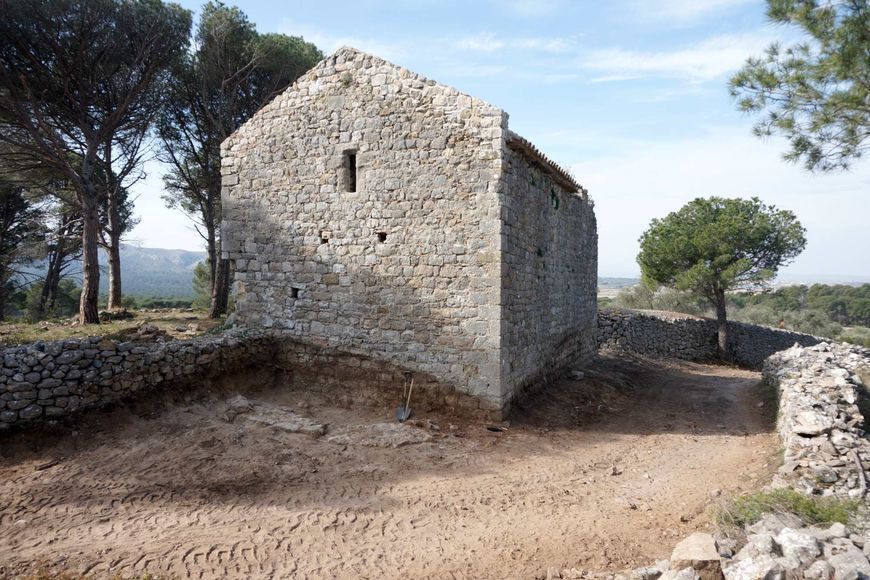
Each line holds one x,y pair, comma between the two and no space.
715,245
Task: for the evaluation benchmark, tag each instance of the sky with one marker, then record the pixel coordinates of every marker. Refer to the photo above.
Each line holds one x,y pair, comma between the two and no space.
629,95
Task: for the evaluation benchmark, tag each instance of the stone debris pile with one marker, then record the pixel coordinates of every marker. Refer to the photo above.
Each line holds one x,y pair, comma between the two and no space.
820,423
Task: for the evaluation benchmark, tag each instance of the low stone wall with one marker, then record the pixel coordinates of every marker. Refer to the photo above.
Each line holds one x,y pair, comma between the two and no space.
820,423
683,336
50,380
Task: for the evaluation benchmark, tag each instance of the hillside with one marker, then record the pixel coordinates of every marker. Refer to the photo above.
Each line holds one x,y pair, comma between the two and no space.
154,272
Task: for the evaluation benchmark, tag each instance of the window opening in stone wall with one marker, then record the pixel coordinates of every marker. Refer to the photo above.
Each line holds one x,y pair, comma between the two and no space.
350,163
382,237
324,237
294,292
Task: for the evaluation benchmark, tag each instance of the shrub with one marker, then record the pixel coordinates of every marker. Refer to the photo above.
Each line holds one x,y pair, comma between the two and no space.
747,509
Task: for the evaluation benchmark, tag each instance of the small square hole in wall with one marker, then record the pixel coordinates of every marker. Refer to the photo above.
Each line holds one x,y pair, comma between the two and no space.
382,237
324,237
294,292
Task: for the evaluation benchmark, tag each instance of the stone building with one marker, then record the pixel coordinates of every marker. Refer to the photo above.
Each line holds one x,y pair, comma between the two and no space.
375,213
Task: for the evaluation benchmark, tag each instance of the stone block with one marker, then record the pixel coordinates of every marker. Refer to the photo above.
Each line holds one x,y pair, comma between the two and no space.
700,553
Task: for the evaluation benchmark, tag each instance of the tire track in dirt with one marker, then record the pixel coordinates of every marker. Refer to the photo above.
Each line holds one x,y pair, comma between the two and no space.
188,494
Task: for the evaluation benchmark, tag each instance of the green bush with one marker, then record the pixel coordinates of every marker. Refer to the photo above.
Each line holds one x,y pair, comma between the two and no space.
859,335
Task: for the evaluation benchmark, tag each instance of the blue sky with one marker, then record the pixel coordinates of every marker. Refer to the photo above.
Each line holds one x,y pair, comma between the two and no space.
629,94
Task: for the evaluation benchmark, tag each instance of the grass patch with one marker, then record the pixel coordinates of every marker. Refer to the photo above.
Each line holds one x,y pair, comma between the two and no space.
747,509
16,332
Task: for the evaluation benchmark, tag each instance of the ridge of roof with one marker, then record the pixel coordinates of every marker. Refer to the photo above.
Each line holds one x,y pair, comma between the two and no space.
535,156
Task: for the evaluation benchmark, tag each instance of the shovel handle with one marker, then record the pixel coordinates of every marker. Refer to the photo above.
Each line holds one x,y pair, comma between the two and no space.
408,402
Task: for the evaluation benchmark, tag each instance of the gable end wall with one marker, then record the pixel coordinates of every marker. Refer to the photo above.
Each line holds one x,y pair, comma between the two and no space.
429,163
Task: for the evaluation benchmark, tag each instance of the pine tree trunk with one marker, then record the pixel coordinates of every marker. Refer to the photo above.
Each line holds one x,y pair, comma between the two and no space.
211,248
49,287
88,304
722,323
221,291
114,251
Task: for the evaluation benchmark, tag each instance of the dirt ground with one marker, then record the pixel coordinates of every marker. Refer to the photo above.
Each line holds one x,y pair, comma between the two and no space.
604,473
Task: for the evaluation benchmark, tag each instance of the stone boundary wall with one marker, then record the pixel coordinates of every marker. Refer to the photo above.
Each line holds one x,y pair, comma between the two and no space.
671,334
820,422
45,381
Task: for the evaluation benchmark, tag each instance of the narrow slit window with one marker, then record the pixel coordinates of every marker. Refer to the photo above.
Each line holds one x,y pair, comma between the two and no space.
350,161
382,237
294,292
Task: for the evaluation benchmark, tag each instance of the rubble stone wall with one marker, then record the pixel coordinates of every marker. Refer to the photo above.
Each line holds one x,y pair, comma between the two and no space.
689,337
407,264
549,276
372,212
50,380
820,422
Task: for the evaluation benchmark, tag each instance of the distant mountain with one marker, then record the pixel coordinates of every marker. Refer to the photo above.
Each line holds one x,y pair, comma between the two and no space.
154,272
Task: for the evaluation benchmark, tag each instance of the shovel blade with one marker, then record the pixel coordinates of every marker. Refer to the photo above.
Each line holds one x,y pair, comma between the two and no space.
402,414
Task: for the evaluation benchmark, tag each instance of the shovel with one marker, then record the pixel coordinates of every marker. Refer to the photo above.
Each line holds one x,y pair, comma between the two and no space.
404,411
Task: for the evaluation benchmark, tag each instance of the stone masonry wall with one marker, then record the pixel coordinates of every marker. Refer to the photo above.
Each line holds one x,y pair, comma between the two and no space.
49,380
689,337
406,266
820,423
549,276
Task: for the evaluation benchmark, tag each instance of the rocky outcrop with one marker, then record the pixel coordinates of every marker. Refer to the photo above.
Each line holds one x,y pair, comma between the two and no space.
46,381
820,424
676,335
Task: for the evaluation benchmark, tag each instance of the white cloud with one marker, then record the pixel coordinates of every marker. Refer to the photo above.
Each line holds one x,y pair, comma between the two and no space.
652,178
706,60
488,42
683,11
483,42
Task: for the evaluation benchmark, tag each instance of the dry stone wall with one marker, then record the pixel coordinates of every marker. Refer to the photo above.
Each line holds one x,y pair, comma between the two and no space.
46,381
683,336
820,422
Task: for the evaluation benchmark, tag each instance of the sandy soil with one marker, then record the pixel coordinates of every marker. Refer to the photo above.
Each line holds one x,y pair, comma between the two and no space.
604,473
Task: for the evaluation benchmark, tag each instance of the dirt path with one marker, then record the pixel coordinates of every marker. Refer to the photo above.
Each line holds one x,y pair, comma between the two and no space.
591,476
